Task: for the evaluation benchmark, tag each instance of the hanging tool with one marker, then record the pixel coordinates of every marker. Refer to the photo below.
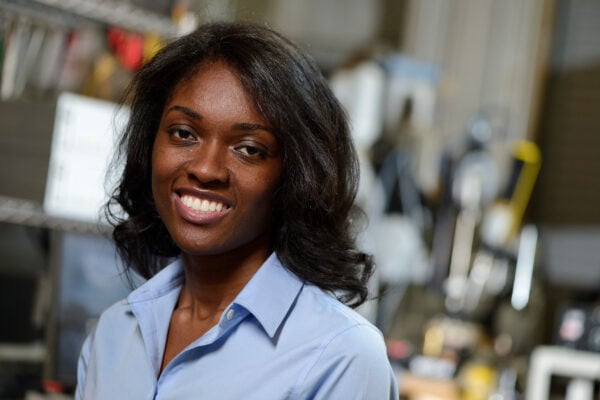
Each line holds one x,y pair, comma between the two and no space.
474,185
503,219
500,223
524,269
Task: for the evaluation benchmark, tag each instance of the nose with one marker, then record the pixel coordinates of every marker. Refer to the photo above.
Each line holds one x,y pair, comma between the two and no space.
208,163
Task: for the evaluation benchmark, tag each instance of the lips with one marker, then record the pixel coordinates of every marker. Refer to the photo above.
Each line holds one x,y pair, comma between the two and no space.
201,208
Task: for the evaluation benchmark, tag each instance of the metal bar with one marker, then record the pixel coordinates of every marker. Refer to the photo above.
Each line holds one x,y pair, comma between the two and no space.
106,12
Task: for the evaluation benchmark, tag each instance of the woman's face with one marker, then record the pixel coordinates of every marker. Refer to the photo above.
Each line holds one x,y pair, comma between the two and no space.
215,166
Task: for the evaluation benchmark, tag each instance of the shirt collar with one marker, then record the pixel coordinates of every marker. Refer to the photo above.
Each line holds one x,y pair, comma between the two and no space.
166,280
270,294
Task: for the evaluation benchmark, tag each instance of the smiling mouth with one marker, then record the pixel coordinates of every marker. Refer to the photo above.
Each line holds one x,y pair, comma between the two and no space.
202,205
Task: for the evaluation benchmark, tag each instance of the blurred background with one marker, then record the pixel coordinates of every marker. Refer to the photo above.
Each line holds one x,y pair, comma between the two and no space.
477,124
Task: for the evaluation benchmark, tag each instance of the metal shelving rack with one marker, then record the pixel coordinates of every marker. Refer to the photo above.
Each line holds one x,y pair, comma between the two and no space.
74,13
69,13
31,213
107,12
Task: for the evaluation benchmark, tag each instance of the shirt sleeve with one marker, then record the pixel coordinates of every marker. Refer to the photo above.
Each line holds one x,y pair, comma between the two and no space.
353,365
82,365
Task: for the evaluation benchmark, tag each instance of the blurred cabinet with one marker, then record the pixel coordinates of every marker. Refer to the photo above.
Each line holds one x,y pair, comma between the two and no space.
492,55
569,187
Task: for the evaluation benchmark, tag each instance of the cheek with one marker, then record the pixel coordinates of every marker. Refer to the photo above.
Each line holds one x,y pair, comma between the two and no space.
264,189
163,161
156,173
162,167
256,186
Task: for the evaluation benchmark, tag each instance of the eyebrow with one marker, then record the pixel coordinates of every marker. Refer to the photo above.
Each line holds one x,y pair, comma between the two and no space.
187,111
242,126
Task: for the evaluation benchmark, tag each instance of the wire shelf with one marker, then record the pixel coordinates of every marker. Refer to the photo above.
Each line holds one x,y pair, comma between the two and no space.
31,213
107,12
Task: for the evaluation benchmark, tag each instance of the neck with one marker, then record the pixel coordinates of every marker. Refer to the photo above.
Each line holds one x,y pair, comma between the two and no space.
212,282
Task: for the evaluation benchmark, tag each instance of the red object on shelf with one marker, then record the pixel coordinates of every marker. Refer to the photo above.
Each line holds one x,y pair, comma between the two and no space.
51,386
127,46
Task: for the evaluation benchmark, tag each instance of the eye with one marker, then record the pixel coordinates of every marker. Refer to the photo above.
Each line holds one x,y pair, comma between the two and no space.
251,151
183,134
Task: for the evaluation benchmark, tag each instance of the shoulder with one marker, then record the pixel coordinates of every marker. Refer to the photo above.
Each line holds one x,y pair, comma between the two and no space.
112,324
359,343
349,360
336,328
330,312
116,313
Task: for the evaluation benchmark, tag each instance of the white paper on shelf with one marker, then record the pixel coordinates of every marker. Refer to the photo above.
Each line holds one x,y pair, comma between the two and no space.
83,144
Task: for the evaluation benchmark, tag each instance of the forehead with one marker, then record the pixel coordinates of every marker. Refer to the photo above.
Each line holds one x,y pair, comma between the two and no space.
211,79
215,92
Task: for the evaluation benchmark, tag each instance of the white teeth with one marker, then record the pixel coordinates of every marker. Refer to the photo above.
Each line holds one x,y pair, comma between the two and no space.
202,205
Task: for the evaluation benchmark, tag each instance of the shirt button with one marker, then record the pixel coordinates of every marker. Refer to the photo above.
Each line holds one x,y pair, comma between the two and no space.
229,314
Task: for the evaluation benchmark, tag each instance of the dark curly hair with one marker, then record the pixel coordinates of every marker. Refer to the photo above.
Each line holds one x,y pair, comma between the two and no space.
313,234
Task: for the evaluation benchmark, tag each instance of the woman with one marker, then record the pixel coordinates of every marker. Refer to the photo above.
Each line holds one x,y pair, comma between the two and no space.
240,170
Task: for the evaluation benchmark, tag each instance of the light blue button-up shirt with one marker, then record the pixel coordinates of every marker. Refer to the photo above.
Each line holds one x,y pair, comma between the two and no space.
279,339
